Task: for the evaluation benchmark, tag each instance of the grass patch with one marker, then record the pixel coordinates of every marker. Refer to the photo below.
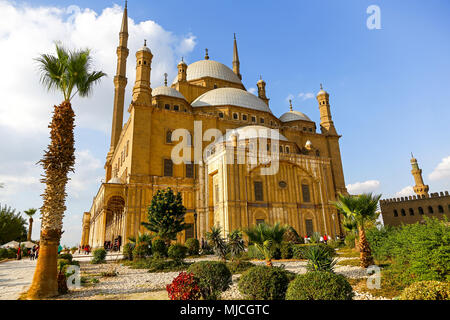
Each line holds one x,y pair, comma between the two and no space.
350,262
347,253
390,286
237,267
158,265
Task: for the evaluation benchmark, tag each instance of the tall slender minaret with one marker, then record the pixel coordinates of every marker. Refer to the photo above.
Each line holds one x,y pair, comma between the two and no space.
236,63
420,188
326,122
120,82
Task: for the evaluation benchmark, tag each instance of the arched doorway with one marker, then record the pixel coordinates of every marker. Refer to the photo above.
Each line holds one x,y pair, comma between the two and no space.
113,223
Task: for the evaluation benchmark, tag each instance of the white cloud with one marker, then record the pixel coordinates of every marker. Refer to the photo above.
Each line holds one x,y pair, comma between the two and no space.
88,173
405,192
26,32
253,90
306,96
442,171
363,187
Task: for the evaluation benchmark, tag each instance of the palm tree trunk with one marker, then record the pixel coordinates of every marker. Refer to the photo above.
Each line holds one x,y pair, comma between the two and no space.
365,255
30,229
356,243
58,161
269,263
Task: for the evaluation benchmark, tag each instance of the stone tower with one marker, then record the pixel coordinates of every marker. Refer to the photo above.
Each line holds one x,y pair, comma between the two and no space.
420,188
142,93
326,123
182,69
236,63
120,82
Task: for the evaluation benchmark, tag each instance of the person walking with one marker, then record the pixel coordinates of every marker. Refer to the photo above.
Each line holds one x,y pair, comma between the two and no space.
19,253
325,238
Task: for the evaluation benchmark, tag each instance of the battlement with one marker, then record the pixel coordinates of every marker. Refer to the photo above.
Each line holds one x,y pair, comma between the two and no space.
415,197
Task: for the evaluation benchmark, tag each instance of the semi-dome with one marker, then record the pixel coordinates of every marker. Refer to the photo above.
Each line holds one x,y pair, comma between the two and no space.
294,116
252,132
167,91
209,68
231,97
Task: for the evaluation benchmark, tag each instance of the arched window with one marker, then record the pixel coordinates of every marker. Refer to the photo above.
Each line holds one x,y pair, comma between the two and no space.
430,209
403,212
168,168
167,106
258,190
220,114
440,209
235,116
176,108
287,149
281,149
395,213
411,211
244,117
169,136
317,153
305,193
420,210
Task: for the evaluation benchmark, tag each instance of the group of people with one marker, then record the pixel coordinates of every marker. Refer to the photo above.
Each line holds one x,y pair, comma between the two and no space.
86,249
323,239
32,253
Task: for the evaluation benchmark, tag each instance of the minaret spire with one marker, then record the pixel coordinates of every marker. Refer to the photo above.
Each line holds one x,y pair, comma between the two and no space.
120,82
236,63
420,188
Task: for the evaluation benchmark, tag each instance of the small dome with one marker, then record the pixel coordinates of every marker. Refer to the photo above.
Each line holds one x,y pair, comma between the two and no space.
251,132
294,116
210,68
232,97
167,91
115,180
322,92
182,62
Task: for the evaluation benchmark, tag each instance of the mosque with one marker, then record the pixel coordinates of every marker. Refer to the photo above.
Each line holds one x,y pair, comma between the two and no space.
263,168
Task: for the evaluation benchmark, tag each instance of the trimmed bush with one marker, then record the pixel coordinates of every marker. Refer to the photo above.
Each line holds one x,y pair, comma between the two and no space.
193,246
286,250
427,290
98,256
184,287
264,283
213,278
177,252
62,263
66,256
3,253
320,285
128,251
142,250
159,248
299,251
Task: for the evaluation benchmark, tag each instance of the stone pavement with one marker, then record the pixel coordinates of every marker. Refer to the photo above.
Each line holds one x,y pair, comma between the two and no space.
15,277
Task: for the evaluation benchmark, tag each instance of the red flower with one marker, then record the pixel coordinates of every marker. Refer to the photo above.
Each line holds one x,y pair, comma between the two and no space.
184,287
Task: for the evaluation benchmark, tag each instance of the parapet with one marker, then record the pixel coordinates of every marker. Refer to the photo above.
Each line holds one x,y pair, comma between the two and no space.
415,197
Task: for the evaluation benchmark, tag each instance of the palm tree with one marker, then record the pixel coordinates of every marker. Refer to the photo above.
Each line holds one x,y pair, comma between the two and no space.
236,243
264,237
350,225
363,208
69,72
30,213
218,243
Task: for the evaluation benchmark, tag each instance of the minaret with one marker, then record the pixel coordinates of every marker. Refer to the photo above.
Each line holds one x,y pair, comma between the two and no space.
236,63
326,123
182,68
261,84
120,82
420,188
142,92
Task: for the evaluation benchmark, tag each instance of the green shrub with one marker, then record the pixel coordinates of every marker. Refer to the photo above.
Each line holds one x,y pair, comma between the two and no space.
177,252
159,248
418,252
98,256
12,253
142,250
66,256
239,266
349,240
427,290
213,278
299,251
319,259
286,250
3,253
161,265
292,236
62,263
320,285
264,283
193,246
128,250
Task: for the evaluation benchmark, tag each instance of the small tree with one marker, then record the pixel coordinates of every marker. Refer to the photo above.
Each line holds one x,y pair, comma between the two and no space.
218,243
236,243
166,215
30,213
12,225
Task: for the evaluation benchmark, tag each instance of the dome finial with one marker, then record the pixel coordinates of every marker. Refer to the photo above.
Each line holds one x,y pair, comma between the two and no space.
206,54
165,79
145,42
290,105
321,87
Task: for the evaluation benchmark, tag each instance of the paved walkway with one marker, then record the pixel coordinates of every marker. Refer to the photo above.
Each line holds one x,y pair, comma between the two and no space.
15,277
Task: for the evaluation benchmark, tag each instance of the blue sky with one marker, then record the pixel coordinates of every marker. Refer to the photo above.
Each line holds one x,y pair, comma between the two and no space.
390,88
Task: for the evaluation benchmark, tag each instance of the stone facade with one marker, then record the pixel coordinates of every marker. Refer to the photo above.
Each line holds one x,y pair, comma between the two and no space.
215,192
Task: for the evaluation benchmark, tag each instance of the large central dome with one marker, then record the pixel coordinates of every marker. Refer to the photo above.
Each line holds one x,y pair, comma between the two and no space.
210,68
231,97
